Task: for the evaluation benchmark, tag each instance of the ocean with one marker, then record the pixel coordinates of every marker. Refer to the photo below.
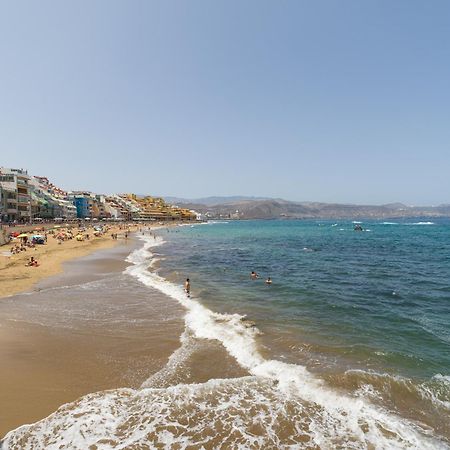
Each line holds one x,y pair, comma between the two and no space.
349,347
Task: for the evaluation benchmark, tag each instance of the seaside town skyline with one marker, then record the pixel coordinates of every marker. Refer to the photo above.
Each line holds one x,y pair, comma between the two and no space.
27,198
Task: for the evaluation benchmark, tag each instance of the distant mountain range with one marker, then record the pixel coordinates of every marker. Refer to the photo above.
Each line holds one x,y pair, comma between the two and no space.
241,207
210,201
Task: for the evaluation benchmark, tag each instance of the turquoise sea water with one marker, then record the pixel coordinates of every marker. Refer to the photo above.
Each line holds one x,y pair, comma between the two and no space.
366,310
382,294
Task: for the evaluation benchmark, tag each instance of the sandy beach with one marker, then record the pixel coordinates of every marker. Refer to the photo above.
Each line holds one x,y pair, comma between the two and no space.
16,277
52,346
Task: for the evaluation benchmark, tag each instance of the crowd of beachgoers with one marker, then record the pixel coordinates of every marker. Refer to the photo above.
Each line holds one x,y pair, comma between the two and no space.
47,246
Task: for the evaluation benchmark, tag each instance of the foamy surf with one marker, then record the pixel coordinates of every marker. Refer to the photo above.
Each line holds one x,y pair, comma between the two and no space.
278,405
421,223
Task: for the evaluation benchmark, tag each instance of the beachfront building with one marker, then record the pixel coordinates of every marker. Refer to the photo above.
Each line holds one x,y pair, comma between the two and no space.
198,216
89,205
155,208
24,198
129,203
151,208
8,200
117,208
101,209
50,202
84,203
183,213
15,204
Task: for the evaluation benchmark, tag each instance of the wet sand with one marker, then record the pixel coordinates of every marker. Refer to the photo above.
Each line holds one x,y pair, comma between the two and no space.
56,346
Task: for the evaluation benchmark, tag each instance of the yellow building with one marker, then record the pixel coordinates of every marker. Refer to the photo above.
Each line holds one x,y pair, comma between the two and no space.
155,208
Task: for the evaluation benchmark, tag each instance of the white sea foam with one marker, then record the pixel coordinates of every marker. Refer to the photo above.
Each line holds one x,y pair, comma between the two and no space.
389,223
209,222
248,412
421,223
278,399
435,390
444,378
215,222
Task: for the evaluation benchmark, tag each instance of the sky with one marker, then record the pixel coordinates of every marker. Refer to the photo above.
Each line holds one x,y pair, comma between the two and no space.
328,100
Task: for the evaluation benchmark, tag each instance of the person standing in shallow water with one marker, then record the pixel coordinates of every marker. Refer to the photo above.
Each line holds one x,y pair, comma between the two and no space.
187,287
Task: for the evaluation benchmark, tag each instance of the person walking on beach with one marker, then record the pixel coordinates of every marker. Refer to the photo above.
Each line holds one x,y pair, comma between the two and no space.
187,287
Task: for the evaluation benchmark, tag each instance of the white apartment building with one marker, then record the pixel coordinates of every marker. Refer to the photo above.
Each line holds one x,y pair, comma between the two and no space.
15,200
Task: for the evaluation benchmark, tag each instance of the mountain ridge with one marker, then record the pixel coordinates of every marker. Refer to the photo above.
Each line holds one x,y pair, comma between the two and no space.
251,208
214,200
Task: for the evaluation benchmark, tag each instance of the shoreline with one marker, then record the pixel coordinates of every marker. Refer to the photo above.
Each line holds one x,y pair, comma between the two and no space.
16,277
224,341
48,362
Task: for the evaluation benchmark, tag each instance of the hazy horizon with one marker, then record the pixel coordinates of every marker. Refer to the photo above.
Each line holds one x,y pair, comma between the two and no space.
305,101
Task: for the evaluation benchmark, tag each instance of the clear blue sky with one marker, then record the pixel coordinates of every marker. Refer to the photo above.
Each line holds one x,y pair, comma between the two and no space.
337,101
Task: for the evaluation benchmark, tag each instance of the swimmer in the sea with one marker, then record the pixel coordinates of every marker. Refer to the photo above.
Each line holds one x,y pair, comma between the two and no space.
269,280
254,275
187,287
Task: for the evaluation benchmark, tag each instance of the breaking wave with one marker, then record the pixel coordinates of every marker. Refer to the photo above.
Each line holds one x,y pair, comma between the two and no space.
278,405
